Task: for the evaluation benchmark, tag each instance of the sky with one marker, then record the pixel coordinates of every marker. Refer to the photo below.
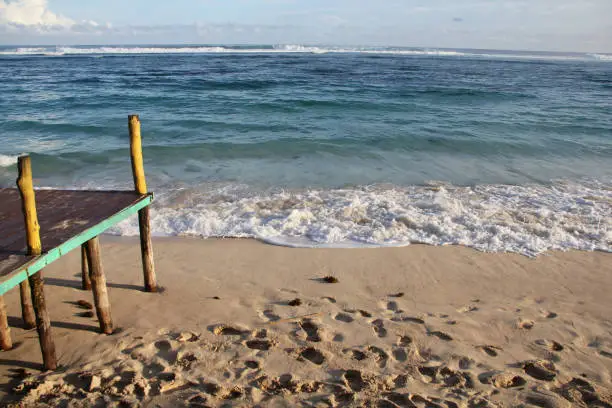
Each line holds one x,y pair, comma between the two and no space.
546,25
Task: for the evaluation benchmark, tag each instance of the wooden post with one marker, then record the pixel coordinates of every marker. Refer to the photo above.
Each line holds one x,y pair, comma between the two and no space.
5,331
140,185
98,280
32,235
27,310
86,282
28,202
43,324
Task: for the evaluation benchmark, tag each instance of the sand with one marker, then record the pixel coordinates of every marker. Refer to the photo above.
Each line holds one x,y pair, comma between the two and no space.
246,324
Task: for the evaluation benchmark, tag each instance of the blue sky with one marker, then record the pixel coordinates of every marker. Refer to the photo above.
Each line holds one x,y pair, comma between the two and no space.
556,25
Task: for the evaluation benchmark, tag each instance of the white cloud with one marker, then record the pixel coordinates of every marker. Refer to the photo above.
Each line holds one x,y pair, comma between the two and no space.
31,13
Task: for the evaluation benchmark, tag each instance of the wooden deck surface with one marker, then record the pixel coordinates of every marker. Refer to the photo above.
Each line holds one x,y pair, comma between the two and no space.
62,215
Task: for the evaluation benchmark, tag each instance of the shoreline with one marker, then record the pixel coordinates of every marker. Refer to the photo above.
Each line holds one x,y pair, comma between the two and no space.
454,301
111,238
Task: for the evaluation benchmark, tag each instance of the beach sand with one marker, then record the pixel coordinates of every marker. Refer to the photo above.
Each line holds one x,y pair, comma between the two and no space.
241,323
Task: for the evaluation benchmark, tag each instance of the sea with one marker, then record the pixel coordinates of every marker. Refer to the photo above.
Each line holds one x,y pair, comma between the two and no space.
304,146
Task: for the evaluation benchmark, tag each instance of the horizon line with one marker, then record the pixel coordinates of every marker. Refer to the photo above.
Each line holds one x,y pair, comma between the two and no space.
305,44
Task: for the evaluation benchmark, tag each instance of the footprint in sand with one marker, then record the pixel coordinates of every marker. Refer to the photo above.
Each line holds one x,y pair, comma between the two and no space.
452,378
198,400
295,302
383,403
379,328
311,329
232,394
344,317
392,306
313,355
342,398
409,319
582,393
540,370
399,354
329,299
491,351
605,353
501,379
353,379
364,313
404,341
400,381
397,400
381,355
186,361
465,363
525,324
262,345
223,330
260,333
252,364
152,370
441,335
358,355
166,351
429,373
211,389
550,345
269,315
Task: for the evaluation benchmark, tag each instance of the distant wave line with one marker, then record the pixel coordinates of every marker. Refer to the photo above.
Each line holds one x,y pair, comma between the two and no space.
295,49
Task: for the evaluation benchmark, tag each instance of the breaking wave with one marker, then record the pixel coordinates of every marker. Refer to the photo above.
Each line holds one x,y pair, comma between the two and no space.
292,48
527,219
6,161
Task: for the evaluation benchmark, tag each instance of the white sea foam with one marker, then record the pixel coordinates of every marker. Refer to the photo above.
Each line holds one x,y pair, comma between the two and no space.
6,161
293,48
496,218
602,57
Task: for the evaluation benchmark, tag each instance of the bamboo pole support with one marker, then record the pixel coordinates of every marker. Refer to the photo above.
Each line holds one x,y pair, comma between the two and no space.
27,310
86,282
26,189
98,284
28,200
5,331
43,323
140,185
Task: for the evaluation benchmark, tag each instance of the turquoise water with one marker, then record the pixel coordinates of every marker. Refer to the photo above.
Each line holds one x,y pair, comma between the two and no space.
502,151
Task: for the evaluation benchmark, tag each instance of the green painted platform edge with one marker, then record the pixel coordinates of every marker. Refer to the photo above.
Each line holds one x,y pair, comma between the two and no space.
34,266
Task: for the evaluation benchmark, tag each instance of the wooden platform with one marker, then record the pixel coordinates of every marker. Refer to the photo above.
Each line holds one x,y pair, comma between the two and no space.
67,219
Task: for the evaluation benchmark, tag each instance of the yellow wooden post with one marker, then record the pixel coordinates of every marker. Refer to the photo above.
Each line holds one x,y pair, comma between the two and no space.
26,188
32,235
43,323
140,183
140,186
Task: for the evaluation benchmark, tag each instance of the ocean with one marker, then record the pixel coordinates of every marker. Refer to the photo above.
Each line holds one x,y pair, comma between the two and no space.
327,146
